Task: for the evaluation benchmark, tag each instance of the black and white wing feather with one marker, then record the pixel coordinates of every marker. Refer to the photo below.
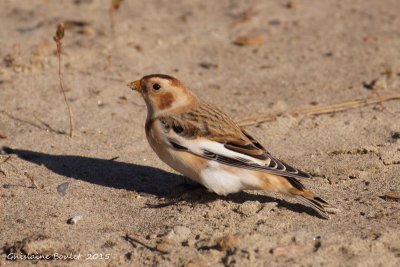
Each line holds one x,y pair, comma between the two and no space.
218,138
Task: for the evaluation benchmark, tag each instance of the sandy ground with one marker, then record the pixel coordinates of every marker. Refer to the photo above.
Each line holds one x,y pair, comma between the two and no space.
134,209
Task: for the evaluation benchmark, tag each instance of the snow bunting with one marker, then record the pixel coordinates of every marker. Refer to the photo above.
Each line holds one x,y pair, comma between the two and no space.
206,145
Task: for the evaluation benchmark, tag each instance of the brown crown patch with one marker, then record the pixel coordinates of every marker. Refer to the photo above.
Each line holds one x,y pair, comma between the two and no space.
162,76
165,100
172,80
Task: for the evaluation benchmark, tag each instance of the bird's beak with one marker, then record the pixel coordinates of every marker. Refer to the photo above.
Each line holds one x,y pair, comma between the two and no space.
135,85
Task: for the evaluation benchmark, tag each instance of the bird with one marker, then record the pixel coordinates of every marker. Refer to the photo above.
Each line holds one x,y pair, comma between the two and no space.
204,144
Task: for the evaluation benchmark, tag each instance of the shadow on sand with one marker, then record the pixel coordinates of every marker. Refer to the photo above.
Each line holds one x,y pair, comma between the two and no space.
139,178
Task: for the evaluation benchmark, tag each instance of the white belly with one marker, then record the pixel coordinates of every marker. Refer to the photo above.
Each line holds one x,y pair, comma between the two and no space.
225,180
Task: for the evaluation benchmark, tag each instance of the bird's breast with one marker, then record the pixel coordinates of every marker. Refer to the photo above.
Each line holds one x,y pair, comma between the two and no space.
181,161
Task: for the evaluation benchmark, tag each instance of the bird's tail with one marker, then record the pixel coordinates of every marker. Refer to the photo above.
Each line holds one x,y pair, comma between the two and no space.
294,188
321,206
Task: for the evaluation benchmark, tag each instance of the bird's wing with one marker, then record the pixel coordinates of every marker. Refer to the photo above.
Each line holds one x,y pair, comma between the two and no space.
207,132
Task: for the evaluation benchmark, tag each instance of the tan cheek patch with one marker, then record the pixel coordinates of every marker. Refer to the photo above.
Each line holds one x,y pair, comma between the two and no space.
165,100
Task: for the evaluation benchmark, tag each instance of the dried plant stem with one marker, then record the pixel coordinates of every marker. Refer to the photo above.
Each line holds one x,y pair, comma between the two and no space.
1,163
31,179
321,109
6,160
57,38
112,21
115,4
134,243
46,125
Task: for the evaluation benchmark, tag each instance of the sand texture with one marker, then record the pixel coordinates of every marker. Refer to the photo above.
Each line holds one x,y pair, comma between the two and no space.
103,198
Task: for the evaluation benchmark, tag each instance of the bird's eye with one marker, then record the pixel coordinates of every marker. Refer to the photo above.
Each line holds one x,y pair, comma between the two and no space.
156,86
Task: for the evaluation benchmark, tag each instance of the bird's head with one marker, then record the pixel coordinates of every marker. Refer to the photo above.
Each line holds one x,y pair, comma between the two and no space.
163,94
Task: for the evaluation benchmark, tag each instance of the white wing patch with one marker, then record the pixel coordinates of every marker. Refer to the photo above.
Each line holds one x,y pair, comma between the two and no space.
218,152
200,147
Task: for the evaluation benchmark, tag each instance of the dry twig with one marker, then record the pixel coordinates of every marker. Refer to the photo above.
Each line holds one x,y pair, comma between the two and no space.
114,7
1,163
134,243
46,125
57,38
321,109
6,161
31,179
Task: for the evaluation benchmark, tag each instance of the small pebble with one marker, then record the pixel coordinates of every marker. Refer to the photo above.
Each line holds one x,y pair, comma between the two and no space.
179,233
250,40
74,220
88,30
197,262
249,208
62,188
228,242
293,4
151,236
290,250
268,207
21,221
274,22
370,85
396,135
207,65
165,245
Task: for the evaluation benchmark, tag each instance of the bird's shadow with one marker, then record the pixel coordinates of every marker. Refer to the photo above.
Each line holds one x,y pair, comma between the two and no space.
139,178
